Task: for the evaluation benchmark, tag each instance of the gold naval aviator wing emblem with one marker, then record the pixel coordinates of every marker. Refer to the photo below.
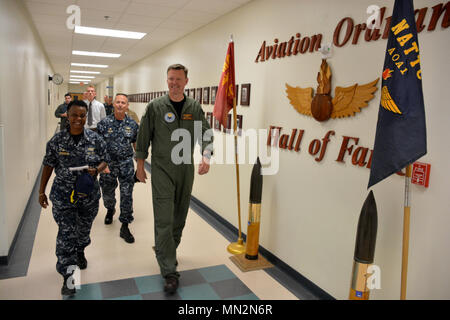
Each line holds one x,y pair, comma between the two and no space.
347,101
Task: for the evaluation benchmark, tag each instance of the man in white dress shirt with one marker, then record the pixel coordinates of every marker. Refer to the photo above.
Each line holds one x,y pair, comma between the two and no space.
96,110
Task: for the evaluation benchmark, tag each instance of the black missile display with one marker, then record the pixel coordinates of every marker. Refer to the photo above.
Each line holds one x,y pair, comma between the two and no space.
366,237
254,212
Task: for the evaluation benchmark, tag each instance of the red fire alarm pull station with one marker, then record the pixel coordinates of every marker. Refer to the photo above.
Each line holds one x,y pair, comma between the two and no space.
421,174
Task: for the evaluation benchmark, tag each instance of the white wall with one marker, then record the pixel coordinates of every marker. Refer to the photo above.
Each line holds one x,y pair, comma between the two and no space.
3,227
27,119
76,88
101,90
310,210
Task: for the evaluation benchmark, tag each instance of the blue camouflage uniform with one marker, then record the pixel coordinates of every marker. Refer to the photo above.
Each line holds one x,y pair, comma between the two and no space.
74,219
119,136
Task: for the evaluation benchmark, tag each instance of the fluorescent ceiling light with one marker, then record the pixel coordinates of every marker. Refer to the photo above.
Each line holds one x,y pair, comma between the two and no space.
80,71
109,32
89,65
96,54
82,77
82,80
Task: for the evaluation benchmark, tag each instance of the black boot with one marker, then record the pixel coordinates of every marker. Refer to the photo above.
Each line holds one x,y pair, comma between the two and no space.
126,234
65,291
109,216
82,262
171,285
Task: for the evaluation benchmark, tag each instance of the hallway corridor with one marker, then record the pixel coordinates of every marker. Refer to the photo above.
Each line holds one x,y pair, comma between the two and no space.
117,270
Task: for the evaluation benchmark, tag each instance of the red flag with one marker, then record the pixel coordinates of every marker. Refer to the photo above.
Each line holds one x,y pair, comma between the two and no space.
227,88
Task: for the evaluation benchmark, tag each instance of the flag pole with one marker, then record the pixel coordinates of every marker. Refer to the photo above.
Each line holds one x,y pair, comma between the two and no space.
236,247
406,222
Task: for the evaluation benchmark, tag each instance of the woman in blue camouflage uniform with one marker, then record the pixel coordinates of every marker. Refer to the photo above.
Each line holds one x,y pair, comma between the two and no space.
73,147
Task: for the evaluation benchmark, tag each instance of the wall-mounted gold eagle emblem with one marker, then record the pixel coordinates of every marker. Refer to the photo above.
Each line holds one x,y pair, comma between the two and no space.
346,103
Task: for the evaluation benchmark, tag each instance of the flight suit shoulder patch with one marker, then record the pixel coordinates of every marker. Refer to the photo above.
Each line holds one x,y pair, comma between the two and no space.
169,117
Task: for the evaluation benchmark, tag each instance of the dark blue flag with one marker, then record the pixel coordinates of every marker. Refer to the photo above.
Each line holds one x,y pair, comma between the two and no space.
400,138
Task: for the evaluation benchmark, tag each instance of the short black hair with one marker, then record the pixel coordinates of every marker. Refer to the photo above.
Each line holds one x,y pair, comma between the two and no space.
79,103
67,94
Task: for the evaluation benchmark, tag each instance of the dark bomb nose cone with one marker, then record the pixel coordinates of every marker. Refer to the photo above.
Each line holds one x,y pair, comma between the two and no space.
256,183
366,235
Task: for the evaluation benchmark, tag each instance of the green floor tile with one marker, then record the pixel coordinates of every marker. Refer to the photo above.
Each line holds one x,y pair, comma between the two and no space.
250,296
217,273
198,292
137,297
150,284
88,292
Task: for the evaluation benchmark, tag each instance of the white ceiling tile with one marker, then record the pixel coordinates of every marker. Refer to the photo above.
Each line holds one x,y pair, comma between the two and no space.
151,10
140,20
167,3
87,43
58,20
211,6
102,60
128,27
163,33
103,5
143,49
195,16
185,26
96,18
241,2
98,23
58,2
164,21
46,8
117,45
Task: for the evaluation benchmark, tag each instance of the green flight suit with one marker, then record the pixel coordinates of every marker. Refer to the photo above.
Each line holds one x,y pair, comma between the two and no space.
171,182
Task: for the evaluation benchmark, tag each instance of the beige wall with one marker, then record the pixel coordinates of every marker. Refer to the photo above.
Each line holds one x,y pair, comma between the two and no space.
26,119
101,90
310,210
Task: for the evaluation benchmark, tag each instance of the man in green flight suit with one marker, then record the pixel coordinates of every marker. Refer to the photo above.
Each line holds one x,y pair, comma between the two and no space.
172,181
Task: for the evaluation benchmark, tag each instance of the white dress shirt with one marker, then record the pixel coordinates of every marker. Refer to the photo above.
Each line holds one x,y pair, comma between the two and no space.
98,113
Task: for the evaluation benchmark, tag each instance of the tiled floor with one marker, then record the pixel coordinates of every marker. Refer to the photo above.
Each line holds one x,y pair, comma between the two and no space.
118,270
211,283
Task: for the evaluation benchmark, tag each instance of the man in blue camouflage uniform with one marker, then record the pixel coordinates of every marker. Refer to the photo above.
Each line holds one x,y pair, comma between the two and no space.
69,148
119,132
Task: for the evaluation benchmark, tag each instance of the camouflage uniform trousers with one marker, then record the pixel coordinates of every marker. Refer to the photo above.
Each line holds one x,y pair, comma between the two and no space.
122,172
74,228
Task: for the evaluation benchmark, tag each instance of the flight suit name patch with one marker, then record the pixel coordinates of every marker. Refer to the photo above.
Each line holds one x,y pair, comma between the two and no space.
187,116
